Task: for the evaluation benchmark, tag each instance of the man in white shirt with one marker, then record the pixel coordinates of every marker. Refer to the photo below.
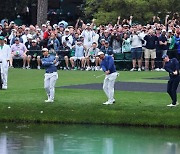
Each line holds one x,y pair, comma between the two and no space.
88,35
5,54
67,37
136,49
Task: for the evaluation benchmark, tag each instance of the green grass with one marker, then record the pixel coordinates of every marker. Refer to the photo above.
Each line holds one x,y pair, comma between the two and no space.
24,100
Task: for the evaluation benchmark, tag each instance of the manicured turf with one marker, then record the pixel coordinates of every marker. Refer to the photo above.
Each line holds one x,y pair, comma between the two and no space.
24,100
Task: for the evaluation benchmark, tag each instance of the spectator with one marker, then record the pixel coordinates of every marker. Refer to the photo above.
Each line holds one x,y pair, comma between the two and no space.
17,35
28,44
116,42
177,43
67,38
136,49
18,50
33,54
92,56
150,49
25,35
106,49
102,43
64,54
79,55
88,35
162,50
106,36
172,52
126,45
53,44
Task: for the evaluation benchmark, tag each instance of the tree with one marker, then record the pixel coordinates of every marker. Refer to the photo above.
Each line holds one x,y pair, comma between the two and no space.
142,10
42,12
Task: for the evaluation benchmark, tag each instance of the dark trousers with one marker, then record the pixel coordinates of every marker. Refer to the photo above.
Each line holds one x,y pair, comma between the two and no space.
172,88
159,59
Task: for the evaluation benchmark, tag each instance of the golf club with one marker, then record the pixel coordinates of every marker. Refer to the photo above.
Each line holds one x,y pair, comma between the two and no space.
99,76
103,75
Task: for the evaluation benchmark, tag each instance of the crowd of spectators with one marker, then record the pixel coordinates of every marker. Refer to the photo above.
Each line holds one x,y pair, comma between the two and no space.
79,45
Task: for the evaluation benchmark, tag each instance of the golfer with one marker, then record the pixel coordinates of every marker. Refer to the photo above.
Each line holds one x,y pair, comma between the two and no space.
108,67
49,62
5,54
172,67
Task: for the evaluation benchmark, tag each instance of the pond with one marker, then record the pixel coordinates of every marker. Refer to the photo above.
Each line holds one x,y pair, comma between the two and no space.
86,139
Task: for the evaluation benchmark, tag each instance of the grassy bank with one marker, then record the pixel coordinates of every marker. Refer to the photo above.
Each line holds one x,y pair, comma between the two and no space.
24,101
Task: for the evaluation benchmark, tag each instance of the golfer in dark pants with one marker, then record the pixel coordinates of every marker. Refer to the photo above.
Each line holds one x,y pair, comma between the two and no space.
172,67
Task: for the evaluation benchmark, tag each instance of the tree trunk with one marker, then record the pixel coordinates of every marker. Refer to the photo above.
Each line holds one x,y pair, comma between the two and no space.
42,12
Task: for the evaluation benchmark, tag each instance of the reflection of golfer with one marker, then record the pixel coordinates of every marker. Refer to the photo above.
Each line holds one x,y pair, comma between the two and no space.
108,67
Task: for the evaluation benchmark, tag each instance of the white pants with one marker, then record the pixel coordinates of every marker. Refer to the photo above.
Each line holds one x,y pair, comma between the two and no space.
49,84
108,85
4,72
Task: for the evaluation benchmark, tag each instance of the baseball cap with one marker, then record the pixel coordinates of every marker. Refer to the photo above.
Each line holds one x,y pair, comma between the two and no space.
20,27
16,39
66,30
43,25
88,24
27,28
170,31
34,41
164,56
44,49
29,36
1,37
103,40
163,30
100,53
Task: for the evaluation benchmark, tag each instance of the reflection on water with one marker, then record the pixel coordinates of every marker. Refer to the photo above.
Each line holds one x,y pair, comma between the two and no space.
87,139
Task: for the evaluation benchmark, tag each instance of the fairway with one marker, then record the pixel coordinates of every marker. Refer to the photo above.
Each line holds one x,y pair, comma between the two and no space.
24,100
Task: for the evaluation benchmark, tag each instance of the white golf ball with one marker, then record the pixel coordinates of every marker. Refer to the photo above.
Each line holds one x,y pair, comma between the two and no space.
9,107
41,112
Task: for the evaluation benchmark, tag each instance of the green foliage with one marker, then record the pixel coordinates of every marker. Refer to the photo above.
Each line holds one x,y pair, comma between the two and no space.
142,10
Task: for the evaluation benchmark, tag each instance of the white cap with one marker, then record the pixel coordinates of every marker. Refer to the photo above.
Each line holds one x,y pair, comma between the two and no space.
170,31
43,25
66,30
29,36
27,28
45,49
100,53
55,25
163,30
34,41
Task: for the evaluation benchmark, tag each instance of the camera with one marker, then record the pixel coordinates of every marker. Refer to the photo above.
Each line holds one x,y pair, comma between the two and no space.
67,39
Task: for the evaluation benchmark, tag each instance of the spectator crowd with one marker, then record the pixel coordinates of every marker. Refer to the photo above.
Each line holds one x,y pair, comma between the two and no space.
79,45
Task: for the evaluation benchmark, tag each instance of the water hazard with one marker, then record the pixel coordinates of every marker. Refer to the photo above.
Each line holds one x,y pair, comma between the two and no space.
87,139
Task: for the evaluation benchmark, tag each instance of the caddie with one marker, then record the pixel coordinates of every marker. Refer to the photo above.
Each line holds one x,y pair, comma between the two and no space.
49,62
5,54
